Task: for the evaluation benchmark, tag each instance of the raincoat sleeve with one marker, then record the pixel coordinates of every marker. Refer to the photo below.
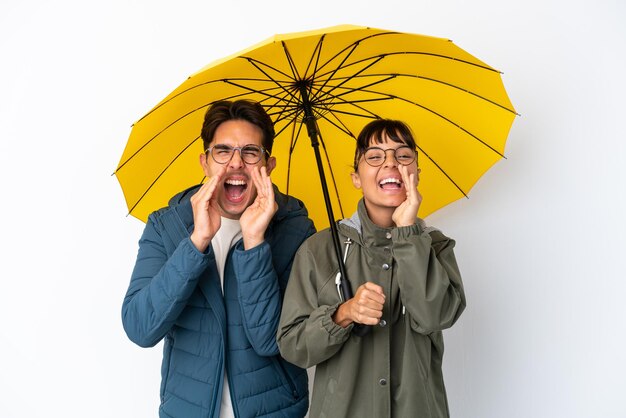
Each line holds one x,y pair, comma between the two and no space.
160,286
307,335
428,277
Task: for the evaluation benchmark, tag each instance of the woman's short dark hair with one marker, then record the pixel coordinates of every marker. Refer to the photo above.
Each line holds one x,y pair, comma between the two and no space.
376,131
225,110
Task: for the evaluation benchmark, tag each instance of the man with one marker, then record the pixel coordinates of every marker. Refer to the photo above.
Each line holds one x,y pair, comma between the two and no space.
408,288
210,274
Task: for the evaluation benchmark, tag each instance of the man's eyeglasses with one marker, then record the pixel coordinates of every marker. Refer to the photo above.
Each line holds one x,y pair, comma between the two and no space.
222,154
376,156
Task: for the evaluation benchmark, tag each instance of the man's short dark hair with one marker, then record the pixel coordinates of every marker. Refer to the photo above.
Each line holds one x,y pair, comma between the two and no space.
376,131
225,110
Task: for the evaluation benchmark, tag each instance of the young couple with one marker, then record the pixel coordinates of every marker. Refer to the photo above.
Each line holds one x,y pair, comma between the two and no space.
216,268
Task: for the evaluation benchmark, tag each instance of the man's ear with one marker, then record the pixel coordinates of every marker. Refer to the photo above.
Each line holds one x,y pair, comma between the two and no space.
203,164
356,180
270,165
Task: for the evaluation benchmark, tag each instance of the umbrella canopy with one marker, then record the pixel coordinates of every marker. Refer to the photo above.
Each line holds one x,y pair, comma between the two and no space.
342,77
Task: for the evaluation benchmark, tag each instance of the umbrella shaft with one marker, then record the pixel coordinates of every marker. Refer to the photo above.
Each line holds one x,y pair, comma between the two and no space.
311,126
345,284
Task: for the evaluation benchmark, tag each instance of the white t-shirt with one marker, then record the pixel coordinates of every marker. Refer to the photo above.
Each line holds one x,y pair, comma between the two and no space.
227,236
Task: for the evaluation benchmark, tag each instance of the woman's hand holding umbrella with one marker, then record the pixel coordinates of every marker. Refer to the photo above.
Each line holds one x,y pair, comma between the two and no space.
366,307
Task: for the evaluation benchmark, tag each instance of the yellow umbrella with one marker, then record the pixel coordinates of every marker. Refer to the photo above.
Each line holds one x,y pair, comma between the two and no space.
343,77
324,86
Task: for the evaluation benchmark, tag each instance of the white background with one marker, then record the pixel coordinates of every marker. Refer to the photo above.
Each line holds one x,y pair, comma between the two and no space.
540,241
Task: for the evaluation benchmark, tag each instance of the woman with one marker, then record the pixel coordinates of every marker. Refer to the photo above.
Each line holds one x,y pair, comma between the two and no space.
408,287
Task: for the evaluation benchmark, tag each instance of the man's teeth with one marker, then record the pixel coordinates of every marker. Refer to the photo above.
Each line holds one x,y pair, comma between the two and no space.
236,182
391,180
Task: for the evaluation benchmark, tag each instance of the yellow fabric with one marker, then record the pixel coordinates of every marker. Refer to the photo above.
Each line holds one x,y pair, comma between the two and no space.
455,104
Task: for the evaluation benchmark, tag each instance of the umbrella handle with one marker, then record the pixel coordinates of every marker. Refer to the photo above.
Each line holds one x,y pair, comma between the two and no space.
360,330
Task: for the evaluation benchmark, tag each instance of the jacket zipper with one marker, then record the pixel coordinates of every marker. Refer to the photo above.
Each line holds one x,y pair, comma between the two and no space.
233,400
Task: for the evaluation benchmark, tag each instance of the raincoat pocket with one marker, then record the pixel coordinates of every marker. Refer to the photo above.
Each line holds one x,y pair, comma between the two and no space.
328,399
423,349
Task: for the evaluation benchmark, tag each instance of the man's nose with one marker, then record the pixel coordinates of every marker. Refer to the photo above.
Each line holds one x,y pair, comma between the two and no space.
236,161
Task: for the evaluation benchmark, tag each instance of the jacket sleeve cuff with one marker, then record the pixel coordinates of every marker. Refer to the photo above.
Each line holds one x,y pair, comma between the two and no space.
193,260
404,232
260,250
335,331
253,263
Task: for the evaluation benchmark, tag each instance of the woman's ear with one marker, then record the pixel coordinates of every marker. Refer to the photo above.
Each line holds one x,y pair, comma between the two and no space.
356,180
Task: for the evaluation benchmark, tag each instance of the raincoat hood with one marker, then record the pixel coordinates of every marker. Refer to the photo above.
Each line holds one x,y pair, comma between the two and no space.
354,227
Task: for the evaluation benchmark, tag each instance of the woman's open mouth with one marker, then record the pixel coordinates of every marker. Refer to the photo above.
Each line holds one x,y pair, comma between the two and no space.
390,183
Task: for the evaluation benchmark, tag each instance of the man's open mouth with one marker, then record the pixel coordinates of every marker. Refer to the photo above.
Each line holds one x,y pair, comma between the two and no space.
390,183
235,188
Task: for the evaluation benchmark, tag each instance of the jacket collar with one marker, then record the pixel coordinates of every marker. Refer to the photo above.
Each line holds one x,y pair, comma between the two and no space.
360,228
